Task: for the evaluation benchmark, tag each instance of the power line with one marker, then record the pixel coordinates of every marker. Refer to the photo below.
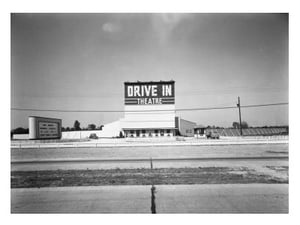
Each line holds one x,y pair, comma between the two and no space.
159,110
207,108
262,105
230,91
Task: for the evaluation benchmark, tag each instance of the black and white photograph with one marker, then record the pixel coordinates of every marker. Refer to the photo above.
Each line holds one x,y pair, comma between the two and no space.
149,113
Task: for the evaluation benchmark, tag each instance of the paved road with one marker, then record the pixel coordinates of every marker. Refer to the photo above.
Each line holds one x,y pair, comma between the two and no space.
119,157
154,152
219,198
148,142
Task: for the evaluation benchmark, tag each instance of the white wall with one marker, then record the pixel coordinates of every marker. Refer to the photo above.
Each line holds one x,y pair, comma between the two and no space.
186,128
109,130
142,118
32,128
20,136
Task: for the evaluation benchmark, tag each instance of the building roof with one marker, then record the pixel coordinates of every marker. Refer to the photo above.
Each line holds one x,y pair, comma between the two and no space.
149,82
39,117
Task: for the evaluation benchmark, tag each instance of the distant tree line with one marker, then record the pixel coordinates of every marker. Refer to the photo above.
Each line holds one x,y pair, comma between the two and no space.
237,125
93,127
77,127
19,130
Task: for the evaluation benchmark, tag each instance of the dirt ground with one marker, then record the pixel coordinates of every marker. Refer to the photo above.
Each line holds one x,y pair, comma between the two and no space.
205,175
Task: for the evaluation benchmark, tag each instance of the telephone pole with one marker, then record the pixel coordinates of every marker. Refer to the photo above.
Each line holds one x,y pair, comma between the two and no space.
239,106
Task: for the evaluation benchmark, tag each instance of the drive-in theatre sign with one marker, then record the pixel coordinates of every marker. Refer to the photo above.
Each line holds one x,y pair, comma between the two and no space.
149,93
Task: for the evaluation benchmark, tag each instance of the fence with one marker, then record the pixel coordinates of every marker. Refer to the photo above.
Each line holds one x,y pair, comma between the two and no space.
231,132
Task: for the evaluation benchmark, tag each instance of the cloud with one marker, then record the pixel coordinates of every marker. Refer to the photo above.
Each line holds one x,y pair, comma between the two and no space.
111,27
165,23
172,19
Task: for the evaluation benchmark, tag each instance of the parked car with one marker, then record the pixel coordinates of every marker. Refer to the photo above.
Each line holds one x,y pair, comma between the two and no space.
93,136
212,134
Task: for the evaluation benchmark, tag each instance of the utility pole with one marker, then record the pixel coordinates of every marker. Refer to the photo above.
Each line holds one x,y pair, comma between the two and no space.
153,190
239,106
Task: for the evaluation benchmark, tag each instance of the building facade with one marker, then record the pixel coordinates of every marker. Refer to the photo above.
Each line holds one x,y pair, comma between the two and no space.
149,109
184,127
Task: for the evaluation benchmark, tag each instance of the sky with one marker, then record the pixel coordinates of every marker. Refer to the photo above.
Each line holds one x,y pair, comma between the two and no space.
81,61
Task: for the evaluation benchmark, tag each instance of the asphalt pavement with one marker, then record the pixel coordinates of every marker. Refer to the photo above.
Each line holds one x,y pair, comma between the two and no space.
212,198
150,152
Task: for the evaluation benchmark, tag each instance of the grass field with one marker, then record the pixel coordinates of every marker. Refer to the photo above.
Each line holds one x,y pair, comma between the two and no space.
207,175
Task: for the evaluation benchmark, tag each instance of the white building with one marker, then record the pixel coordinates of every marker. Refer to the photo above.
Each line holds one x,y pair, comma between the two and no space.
149,109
